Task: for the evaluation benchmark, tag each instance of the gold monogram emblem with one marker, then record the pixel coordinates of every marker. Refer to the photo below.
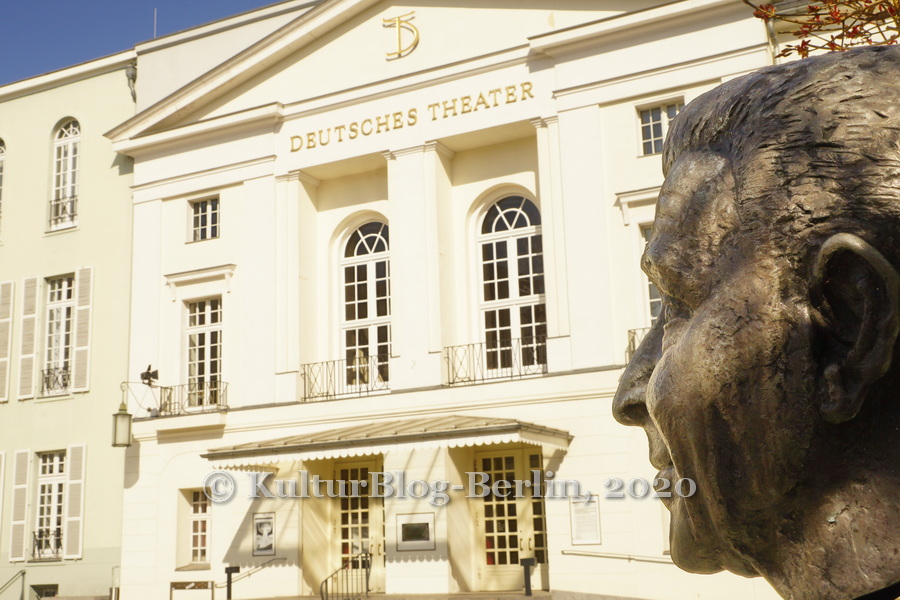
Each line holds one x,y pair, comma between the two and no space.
400,23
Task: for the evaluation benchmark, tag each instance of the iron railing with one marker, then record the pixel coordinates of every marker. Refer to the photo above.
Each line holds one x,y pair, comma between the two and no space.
47,543
199,396
349,582
63,211
470,364
635,337
12,580
55,381
189,398
343,378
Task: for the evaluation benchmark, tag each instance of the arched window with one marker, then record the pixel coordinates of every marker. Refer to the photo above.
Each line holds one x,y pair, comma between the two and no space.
66,157
367,306
2,160
513,309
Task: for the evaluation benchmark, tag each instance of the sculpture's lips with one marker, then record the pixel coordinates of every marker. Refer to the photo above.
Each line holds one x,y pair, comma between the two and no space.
666,474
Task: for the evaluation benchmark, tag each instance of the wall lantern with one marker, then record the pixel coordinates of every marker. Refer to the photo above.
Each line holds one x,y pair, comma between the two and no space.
122,424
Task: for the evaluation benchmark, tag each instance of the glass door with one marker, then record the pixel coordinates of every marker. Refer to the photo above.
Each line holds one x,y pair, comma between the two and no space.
511,528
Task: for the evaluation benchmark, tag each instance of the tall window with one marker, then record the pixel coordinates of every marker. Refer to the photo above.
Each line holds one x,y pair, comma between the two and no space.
2,160
66,159
204,219
204,338
512,276
58,352
653,296
51,487
655,124
367,306
199,527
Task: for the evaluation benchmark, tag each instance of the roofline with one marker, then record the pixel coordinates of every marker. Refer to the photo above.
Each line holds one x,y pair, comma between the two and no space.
223,24
267,51
67,75
327,14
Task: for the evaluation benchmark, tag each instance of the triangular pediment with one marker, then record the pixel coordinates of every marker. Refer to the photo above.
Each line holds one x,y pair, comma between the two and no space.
347,45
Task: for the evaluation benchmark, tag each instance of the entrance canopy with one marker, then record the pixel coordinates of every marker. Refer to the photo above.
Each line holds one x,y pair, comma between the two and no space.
451,431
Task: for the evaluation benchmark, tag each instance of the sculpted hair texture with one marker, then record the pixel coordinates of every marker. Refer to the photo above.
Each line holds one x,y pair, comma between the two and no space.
833,163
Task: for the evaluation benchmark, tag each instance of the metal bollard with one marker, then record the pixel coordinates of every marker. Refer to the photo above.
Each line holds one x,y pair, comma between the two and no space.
527,563
229,571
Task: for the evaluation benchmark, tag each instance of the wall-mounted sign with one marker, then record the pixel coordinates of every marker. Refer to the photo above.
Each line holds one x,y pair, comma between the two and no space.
415,531
585,521
401,24
263,534
445,109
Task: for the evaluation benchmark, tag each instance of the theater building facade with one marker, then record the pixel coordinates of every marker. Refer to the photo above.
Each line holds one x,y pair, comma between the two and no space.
396,243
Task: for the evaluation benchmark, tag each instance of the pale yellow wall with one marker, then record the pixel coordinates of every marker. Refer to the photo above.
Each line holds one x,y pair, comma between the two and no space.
102,240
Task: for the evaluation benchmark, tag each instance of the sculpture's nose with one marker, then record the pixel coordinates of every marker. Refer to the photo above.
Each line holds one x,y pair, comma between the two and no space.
629,407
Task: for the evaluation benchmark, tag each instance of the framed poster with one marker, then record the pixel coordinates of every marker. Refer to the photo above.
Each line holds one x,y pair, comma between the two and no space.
263,534
585,521
415,531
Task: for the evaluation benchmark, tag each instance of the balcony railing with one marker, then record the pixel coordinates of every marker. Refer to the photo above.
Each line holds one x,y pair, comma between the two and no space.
63,212
47,544
189,398
501,359
199,396
55,381
345,378
635,337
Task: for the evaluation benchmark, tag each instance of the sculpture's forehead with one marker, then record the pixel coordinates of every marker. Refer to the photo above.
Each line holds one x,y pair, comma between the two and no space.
694,217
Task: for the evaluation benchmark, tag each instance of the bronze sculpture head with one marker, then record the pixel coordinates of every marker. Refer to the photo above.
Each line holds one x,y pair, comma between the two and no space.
771,379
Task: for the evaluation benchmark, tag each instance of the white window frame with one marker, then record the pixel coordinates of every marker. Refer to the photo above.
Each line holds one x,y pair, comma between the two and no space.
204,219
200,527
50,505
63,212
644,230
514,302
59,335
373,368
207,388
656,142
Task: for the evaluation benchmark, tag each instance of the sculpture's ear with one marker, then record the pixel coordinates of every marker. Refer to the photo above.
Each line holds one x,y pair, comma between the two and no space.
855,295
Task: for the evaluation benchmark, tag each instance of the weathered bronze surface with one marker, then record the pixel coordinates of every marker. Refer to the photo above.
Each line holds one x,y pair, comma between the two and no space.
772,378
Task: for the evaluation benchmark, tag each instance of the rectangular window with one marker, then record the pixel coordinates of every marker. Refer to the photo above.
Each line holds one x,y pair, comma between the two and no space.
199,527
655,124
56,374
204,340
204,219
51,494
653,296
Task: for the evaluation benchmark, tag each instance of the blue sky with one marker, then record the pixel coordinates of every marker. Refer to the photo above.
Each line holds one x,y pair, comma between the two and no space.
37,36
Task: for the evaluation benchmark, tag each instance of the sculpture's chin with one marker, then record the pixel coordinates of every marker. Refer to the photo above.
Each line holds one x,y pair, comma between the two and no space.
702,555
690,554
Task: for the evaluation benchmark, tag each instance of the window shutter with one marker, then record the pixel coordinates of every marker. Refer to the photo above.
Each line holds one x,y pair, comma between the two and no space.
84,281
6,305
74,528
28,352
19,530
2,483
